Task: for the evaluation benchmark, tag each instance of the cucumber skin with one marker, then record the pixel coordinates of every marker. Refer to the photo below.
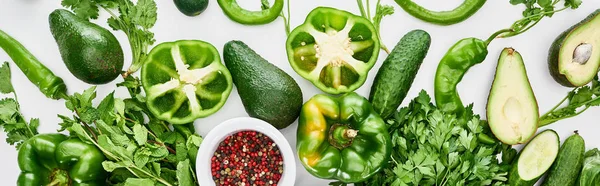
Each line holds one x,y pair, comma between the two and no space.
567,166
398,71
513,176
553,53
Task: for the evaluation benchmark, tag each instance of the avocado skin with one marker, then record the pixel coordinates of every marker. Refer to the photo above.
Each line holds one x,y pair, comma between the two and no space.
191,7
90,52
267,92
553,54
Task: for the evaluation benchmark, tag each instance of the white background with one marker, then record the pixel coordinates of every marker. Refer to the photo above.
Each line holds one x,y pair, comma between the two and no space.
27,21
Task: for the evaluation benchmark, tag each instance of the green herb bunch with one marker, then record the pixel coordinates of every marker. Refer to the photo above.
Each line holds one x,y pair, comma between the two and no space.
577,101
140,151
16,127
433,148
535,11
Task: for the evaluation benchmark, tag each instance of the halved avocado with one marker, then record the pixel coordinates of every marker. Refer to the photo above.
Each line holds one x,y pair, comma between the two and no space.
512,109
574,57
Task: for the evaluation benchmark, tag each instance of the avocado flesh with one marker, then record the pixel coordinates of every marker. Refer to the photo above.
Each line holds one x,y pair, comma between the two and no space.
565,61
512,109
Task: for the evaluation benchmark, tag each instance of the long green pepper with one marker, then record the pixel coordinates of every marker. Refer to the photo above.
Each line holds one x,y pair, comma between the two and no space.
49,84
238,14
457,15
453,66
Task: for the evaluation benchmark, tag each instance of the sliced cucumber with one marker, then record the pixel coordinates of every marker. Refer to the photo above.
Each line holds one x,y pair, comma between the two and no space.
568,164
535,159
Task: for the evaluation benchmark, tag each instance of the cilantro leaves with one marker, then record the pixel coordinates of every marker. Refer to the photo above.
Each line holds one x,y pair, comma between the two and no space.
578,101
140,148
17,128
535,11
133,19
434,148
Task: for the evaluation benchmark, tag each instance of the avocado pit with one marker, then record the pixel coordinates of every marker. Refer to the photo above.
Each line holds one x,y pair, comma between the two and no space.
582,53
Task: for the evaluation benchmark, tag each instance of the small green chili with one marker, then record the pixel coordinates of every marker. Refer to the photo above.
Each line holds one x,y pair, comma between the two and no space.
49,84
459,14
236,13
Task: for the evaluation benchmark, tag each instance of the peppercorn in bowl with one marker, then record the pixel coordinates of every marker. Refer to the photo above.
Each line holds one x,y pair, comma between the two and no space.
245,151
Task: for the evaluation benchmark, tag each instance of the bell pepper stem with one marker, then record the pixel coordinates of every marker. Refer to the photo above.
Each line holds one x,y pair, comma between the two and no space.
350,133
341,136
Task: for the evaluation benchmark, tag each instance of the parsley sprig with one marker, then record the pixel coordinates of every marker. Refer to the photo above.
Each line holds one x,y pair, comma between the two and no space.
380,12
133,19
434,148
139,150
17,128
577,101
535,11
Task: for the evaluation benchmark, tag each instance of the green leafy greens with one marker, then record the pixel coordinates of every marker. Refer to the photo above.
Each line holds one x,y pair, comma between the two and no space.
17,128
578,101
535,11
133,19
380,12
433,148
139,150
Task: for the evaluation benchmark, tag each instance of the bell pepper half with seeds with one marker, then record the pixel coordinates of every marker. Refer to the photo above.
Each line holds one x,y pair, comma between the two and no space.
185,80
342,138
333,49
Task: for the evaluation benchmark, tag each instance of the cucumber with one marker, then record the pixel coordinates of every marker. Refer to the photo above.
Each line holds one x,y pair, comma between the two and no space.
398,71
568,164
535,159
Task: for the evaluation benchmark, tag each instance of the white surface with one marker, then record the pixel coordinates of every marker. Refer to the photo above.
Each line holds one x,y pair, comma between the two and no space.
27,21
229,127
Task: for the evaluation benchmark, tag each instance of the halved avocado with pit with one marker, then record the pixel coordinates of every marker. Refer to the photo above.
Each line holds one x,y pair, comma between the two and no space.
574,58
512,109
333,49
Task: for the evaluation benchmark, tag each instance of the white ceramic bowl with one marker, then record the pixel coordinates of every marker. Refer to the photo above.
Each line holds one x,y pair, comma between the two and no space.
220,132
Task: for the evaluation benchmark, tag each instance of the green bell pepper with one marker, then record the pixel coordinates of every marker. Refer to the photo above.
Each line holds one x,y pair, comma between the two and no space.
54,159
342,138
185,80
333,49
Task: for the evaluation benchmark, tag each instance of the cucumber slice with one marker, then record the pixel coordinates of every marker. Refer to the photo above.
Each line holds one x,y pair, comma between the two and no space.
535,159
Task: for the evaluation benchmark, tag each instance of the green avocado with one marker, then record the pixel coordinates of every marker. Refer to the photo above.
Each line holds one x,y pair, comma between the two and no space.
267,92
90,52
574,57
191,7
512,109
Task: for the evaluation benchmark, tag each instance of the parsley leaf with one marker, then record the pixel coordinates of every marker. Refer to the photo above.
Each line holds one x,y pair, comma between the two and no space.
434,148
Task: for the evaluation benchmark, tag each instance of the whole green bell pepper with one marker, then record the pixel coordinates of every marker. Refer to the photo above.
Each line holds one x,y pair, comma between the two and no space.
333,49
54,159
185,80
342,138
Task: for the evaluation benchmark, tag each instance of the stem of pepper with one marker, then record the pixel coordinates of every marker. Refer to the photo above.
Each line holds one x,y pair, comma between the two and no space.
496,34
341,136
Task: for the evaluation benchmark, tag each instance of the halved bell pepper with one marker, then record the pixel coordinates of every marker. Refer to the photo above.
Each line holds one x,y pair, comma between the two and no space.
185,80
54,159
333,49
342,138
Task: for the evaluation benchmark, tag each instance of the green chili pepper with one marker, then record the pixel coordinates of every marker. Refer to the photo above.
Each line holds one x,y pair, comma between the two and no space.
342,138
236,13
453,66
49,84
459,14
54,159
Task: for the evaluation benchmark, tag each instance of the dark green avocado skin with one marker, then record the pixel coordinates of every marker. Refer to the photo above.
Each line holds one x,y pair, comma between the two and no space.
90,52
267,92
191,7
553,54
